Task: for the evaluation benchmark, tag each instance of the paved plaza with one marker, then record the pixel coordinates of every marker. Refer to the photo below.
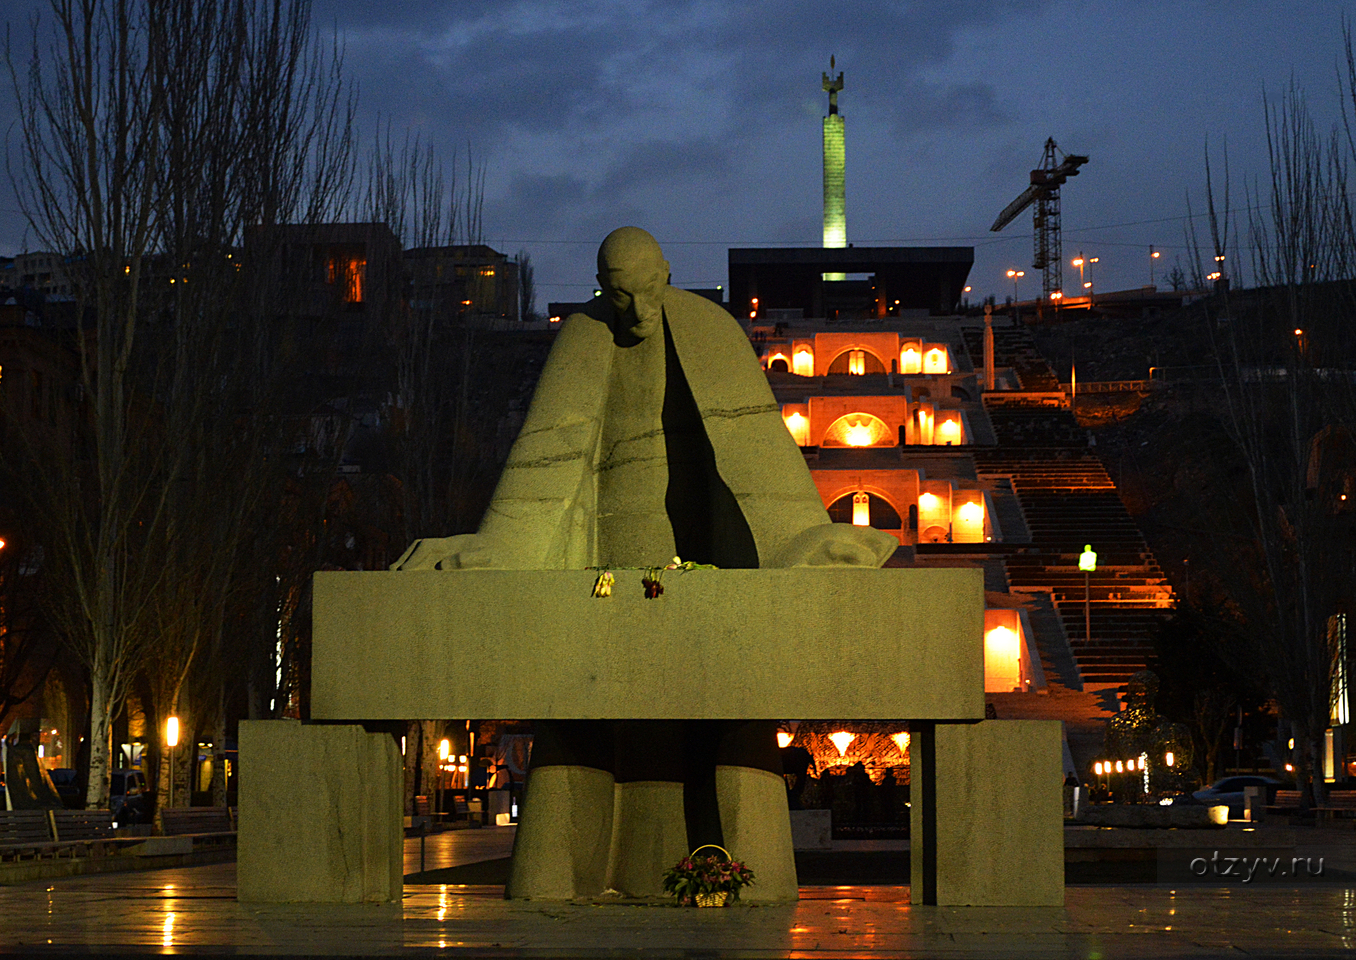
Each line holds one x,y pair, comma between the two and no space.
193,910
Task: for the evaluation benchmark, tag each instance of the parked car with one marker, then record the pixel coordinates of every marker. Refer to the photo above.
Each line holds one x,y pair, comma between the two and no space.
129,799
1229,791
67,783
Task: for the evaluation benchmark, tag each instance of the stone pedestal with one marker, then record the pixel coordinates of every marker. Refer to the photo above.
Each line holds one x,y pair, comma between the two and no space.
320,814
986,821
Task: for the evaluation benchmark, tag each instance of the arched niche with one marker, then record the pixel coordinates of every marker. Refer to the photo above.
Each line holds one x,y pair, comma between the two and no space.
870,362
883,515
858,430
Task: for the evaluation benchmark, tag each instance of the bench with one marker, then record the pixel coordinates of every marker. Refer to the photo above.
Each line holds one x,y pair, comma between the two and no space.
1285,800
84,831
207,826
1338,803
25,834
177,821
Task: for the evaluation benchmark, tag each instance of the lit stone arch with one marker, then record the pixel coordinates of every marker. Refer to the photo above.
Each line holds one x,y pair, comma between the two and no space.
883,514
859,430
857,360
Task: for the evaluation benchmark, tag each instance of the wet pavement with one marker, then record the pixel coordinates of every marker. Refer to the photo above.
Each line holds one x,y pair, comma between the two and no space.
193,910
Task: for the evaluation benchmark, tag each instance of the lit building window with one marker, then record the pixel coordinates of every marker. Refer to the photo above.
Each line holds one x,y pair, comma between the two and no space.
350,274
910,361
934,361
948,432
857,362
799,427
803,363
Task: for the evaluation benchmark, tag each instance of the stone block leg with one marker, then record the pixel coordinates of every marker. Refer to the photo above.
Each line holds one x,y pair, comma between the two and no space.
986,813
757,827
320,814
649,836
564,833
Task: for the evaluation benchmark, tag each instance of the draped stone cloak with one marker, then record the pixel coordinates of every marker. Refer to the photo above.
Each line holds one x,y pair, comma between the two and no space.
543,512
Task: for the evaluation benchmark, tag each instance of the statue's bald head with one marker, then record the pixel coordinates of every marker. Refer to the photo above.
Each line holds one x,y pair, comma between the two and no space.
633,274
628,246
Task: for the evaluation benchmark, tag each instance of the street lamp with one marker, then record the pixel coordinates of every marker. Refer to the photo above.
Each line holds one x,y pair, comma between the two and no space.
1087,562
171,741
1153,256
1014,276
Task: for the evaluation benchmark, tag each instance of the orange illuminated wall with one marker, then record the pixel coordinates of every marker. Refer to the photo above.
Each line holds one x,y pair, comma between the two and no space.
1005,652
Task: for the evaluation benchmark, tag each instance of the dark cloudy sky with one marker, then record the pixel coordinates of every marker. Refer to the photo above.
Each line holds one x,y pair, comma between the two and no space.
700,120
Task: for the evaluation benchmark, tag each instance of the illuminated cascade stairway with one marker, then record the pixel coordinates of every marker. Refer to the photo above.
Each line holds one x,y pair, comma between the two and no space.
1067,501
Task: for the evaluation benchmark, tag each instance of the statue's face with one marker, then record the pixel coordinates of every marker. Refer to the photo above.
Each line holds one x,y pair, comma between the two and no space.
636,291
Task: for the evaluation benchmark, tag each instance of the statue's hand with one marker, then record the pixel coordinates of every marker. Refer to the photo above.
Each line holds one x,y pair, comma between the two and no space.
836,545
465,551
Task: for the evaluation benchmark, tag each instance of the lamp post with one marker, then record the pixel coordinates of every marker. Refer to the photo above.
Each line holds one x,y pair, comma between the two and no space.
1014,276
1087,562
444,751
1153,257
171,741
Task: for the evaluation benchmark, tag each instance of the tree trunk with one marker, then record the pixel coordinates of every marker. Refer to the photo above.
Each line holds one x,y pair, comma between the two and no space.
100,743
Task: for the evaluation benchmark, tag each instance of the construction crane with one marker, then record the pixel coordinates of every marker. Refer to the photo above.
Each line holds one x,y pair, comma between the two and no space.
1044,193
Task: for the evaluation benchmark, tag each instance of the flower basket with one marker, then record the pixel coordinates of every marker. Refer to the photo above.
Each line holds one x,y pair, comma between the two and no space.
707,881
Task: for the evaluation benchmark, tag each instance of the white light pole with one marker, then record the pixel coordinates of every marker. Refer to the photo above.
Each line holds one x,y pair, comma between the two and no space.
171,741
1087,562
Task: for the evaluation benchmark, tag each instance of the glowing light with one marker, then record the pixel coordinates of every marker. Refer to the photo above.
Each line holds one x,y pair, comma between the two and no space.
1097,768
1299,332
784,739
841,739
172,732
1087,560
861,510
799,428
857,363
1056,294
444,750
1289,768
1120,766
803,363
1142,759
971,512
927,501
910,360
167,931
935,361
949,431
859,435
1291,744
902,741
1168,758
1002,660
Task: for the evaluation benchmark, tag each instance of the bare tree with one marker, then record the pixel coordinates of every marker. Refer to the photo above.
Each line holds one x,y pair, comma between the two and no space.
1286,357
153,137
527,287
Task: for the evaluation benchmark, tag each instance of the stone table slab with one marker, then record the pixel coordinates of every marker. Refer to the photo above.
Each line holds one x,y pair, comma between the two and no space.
748,644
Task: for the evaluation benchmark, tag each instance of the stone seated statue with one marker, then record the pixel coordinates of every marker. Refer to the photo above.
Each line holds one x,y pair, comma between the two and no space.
652,434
